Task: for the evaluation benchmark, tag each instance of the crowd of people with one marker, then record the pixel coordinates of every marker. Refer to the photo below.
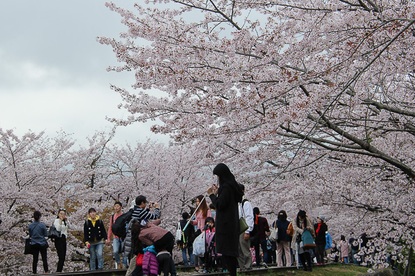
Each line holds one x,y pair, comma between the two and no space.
209,238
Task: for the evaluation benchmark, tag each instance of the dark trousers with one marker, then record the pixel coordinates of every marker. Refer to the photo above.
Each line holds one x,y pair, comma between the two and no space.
320,248
43,252
230,263
263,245
60,245
166,264
165,243
305,259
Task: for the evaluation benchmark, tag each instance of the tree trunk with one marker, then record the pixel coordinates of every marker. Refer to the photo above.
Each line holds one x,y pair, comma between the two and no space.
409,266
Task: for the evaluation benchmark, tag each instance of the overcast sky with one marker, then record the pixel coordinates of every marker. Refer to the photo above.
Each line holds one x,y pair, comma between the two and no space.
53,71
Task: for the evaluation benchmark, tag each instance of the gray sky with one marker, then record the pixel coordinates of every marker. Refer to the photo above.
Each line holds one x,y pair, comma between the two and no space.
53,71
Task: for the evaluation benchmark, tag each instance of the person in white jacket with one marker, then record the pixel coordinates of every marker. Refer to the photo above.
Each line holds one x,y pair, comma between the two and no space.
61,224
244,256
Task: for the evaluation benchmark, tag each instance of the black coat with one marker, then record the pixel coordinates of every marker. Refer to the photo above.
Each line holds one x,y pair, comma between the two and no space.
227,217
321,235
93,234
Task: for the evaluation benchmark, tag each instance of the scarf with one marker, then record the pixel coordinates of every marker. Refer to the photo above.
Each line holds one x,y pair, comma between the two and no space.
318,228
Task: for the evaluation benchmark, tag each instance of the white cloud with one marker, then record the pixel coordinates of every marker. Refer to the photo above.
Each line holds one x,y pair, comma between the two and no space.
53,71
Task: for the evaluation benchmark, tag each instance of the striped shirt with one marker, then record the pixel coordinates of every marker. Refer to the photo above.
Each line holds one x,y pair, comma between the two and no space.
141,214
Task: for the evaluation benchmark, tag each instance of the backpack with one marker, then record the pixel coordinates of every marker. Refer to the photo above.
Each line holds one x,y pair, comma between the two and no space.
119,226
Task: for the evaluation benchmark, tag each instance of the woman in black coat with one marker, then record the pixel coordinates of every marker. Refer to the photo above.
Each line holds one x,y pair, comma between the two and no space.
320,228
225,198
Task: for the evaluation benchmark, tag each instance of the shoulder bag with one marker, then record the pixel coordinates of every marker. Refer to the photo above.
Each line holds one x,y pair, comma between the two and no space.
28,249
307,240
243,226
53,233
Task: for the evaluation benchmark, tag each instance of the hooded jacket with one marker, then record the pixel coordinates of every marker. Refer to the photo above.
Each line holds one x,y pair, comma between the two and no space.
227,217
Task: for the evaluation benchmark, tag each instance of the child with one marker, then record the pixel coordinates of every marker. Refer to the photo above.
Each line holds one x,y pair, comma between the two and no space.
344,250
210,258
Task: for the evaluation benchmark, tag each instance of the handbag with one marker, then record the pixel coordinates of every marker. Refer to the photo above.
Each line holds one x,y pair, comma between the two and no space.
199,246
28,249
307,240
178,233
273,236
53,233
243,226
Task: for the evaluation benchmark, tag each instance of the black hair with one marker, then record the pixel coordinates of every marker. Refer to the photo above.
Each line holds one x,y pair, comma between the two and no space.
136,245
119,203
303,214
140,199
209,219
256,211
60,210
91,210
37,215
282,215
185,215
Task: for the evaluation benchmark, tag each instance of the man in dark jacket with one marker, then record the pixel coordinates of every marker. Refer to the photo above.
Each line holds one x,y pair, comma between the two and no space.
226,198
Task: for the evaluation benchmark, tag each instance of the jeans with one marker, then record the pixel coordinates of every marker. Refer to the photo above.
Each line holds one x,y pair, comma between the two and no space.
265,252
96,254
116,246
354,251
187,251
346,260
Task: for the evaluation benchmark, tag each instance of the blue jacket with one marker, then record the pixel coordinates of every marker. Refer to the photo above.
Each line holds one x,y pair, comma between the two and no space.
38,233
329,241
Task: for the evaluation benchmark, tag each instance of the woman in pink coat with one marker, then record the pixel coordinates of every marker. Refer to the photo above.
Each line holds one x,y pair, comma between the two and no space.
344,250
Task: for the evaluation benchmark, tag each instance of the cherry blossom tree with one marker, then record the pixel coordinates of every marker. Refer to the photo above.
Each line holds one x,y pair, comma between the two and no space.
318,95
34,175
41,173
